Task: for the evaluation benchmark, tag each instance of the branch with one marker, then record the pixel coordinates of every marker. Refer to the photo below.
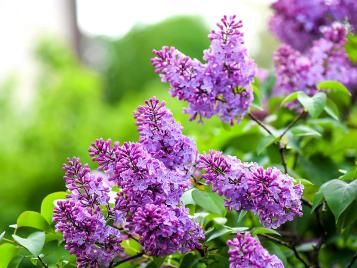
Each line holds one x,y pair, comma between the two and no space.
288,245
127,259
260,123
323,235
354,258
292,123
42,262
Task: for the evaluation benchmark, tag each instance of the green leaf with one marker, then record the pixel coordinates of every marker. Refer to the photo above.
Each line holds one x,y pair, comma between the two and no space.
264,143
209,201
318,198
302,131
333,86
2,235
313,105
130,246
187,199
217,232
310,189
7,253
48,204
351,47
350,175
293,96
331,109
33,243
263,230
32,219
339,195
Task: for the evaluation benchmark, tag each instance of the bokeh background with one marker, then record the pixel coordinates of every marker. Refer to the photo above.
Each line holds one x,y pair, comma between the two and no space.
73,71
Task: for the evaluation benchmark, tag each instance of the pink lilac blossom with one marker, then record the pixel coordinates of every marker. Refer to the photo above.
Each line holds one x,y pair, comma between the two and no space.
270,194
221,86
298,23
246,251
164,230
162,137
325,60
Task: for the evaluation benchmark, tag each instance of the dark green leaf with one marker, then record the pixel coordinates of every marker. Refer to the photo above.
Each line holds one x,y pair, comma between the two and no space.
48,204
32,219
209,201
33,243
264,143
339,195
318,198
217,232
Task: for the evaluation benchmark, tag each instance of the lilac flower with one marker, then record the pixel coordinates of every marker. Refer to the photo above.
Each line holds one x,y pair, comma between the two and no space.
221,86
226,174
274,197
271,195
86,235
164,230
299,23
325,60
246,251
86,188
162,137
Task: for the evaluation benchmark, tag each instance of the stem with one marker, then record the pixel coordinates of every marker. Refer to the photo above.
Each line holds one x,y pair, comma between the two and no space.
127,259
322,237
282,148
260,123
354,258
42,262
288,245
292,123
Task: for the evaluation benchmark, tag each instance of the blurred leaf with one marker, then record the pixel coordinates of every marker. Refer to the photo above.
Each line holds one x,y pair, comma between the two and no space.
2,235
48,204
189,260
350,175
7,252
309,189
263,230
318,198
334,86
130,246
308,246
210,201
291,97
33,243
32,219
331,109
351,47
217,232
264,143
301,130
241,216
339,195
187,199
313,105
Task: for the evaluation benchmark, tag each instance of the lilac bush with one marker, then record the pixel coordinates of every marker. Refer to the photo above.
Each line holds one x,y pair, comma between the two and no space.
162,202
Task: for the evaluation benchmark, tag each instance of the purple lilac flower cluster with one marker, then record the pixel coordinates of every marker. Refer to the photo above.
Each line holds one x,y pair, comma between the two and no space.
325,60
299,24
246,251
151,175
81,220
270,194
221,86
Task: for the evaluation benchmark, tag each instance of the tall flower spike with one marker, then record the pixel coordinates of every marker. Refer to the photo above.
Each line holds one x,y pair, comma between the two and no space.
246,251
298,24
164,230
162,137
219,87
